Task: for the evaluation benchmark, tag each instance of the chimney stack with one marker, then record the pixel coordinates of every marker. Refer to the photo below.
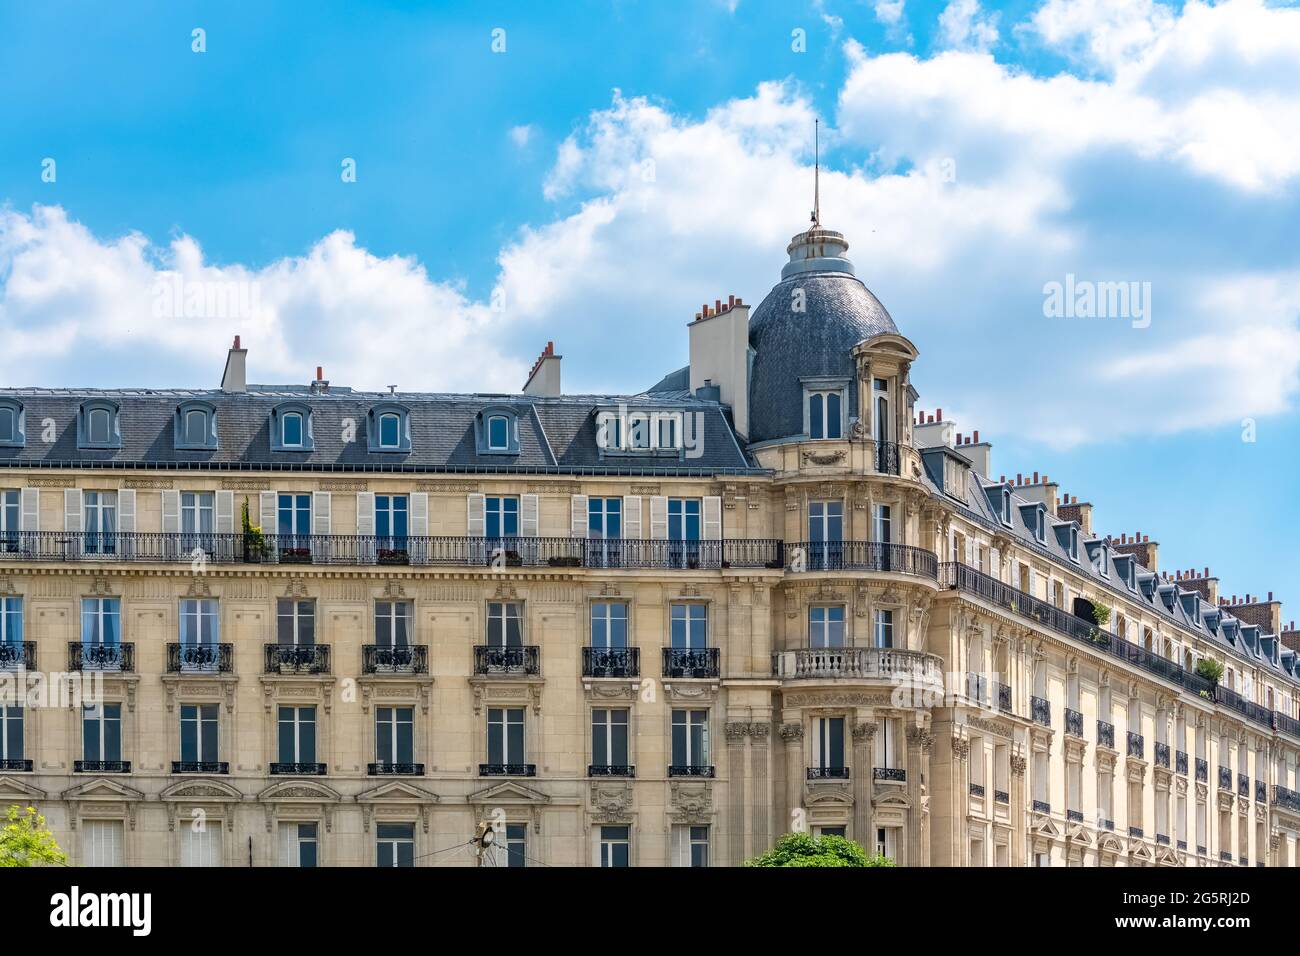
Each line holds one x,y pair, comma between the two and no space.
1266,614
544,379
235,377
719,350
1074,510
320,385
1146,551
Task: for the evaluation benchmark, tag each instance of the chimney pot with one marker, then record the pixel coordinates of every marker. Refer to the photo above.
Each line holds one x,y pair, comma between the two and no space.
1270,595
939,413
977,436
320,374
717,305
1035,477
731,301
236,341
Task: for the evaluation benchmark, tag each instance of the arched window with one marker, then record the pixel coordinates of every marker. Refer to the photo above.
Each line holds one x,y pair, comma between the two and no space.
12,423
291,427
98,425
496,431
196,425
389,428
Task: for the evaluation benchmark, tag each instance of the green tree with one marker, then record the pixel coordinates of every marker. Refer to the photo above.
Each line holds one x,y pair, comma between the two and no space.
27,841
800,849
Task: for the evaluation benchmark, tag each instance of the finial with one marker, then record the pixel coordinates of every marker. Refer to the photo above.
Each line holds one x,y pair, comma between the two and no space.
816,213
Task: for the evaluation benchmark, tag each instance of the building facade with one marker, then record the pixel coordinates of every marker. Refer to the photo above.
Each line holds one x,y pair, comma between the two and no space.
309,626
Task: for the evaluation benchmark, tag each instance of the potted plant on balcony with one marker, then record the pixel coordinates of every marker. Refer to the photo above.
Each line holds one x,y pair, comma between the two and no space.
1100,616
1211,671
254,539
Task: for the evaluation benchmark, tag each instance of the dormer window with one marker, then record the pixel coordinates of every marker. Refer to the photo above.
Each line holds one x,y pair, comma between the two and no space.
1006,506
639,432
1104,560
496,431
389,428
825,401
98,425
195,426
12,424
291,428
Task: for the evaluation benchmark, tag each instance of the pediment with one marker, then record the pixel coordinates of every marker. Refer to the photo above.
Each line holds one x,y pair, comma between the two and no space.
508,793
829,796
300,790
1078,834
1167,857
893,799
203,788
1110,844
889,343
397,791
1140,851
11,787
1043,826
101,788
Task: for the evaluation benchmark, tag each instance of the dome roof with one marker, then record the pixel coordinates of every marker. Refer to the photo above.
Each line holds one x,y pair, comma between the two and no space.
838,312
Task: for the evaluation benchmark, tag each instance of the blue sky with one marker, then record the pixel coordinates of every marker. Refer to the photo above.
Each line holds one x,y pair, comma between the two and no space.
620,163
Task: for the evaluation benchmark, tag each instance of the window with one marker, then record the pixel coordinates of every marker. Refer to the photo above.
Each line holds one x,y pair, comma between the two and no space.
98,425
102,734
13,421
690,845
291,427
11,627
887,757
828,745
882,524
608,624
609,750
825,414
516,844
506,736
199,621
101,621
295,622
880,424
826,626
690,739
291,430
293,520
392,623
689,626
102,840
391,513
195,426
614,846
198,510
389,428
884,628
395,844
887,842
201,847
1006,506
825,534
604,528
683,519
100,522
297,736
198,733
504,624
496,431
11,737
10,518
501,517
394,735
299,845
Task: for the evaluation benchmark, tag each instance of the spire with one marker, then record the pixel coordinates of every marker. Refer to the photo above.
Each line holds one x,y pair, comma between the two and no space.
817,212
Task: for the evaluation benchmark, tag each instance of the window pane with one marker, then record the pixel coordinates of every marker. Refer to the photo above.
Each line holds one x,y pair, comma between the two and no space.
498,432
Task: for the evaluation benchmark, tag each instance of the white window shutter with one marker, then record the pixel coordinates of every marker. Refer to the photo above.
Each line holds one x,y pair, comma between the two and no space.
632,517
528,516
970,552
31,510
225,512
171,512
578,528
995,563
267,507
72,509
1033,582
712,508
126,510
365,512
477,522
420,514
321,512
658,517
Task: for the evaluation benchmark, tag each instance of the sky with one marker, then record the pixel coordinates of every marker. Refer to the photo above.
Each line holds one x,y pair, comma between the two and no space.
424,194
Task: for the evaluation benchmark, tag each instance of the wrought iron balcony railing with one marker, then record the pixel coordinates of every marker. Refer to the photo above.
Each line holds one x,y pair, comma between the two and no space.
497,661
1202,770
1181,845
200,766
1042,806
297,658
893,774
977,789
17,655
1225,856
1040,709
1074,816
1073,722
681,662
200,658
859,663
611,662
394,659
1001,796
1261,792
507,770
887,458
391,769
1162,755
1003,692
1243,785
862,556
101,657
1108,825
1135,832
15,765
1137,746
298,769
101,766
611,770
1287,799
828,773
1180,761
1105,734
1225,778
690,770
1162,839
1203,851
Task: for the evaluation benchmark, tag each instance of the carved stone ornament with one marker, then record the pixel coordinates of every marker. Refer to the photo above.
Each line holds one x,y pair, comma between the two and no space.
824,458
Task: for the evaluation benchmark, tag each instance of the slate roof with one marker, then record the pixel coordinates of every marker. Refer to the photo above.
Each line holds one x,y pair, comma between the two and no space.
555,434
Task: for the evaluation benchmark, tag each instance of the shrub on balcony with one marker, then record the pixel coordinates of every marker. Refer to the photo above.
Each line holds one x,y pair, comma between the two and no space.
254,539
802,849
1212,671
1100,617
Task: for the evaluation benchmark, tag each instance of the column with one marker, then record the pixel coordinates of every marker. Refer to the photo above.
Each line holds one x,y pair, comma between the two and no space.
736,734
1018,815
864,824
792,734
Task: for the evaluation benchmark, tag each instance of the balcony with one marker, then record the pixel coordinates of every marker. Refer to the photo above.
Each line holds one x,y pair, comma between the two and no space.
892,774
1042,806
390,769
1073,722
1162,839
885,664
1135,832
887,458
1180,761
977,790
298,769
1108,825
1202,850
1041,711
1286,799
101,657
862,556
1261,792
1137,746
1074,816
1162,755
1225,856
1202,770
1243,785
325,549
690,770
101,766
1225,778
1003,692
1105,735
200,766
1001,796
200,658
611,662
611,770
1181,845
17,655
297,658
15,765
495,661
507,770
681,662
389,659
828,773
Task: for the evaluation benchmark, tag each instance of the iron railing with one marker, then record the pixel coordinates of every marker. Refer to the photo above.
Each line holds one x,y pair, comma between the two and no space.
611,662
862,556
690,770
1180,761
828,773
611,770
1243,785
683,662
387,768
1040,709
1261,792
517,661
297,658
101,657
101,766
1202,770
887,458
1225,778
1162,755
1287,799
507,770
1004,696
1105,734
298,769
200,658
977,790
200,766
1001,796
1074,816
16,765
17,655
1073,722
1137,745
1042,806
895,774
1136,832
394,659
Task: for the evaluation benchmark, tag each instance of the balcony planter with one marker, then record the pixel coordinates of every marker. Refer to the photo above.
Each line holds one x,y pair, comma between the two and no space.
295,556
565,562
255,549
392,556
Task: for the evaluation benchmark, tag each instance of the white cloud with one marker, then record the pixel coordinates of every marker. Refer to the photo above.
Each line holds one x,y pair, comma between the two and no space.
1104,33
520,135
889,12
962,26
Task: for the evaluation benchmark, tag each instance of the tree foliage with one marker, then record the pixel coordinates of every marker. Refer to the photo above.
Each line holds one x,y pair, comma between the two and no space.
801,849
27,841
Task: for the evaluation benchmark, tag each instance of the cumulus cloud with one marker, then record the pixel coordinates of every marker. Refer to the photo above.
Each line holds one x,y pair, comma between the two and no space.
963,26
